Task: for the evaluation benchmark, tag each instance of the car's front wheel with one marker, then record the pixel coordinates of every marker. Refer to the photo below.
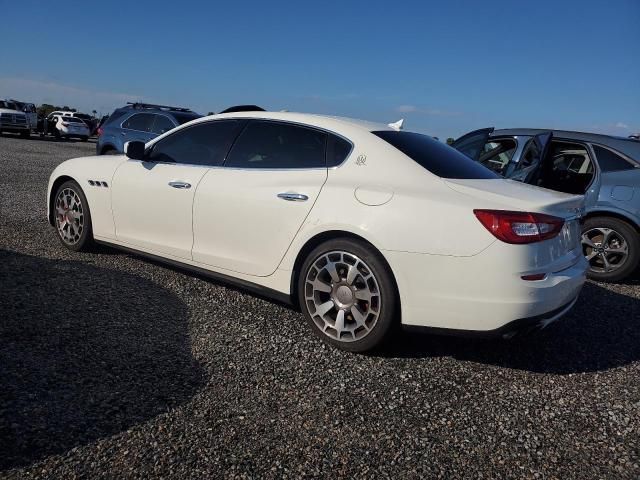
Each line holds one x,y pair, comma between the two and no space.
612,248
347,294
72,217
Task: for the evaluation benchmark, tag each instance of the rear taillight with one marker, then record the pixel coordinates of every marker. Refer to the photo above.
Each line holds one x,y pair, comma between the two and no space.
519,227
100,131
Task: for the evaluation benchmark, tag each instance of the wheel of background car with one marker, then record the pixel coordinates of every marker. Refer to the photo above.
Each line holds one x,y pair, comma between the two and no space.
72,217
612,248
346,293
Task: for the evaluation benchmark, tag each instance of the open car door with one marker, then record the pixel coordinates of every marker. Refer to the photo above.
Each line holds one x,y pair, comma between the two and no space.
472,143
527,170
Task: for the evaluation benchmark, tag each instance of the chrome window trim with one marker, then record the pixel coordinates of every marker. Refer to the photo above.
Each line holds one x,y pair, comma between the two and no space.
323,130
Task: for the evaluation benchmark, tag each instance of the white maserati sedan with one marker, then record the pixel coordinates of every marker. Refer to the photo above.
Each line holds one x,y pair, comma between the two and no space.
361,225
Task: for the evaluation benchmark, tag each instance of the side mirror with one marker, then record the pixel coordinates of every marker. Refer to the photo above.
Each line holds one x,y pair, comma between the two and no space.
134,150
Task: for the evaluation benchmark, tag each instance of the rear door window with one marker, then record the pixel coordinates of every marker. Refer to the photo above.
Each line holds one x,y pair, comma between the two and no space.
268,144
162,124
141,122
436,157
567,168
338,149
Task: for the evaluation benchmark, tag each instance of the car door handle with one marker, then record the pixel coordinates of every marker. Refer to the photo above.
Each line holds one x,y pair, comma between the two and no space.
180,185
293,197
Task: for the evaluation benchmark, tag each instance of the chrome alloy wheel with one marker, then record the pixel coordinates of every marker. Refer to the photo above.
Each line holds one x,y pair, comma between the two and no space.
605,249
69,216
342,296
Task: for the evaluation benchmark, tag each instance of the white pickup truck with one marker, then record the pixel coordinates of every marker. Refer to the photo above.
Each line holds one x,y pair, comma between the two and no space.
13,120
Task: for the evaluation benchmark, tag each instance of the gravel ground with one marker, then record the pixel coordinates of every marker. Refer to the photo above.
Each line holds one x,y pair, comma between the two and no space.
111,366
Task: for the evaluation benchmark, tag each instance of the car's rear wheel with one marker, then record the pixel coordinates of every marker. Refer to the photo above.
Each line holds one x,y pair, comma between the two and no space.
72,217
347,294
84,139
612,248
25,134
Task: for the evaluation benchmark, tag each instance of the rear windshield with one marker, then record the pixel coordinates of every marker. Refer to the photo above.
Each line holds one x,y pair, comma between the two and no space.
117,113
184,117
438,158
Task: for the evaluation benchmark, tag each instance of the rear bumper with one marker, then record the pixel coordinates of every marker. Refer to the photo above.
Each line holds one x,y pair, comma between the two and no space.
516,328
481,294
74,134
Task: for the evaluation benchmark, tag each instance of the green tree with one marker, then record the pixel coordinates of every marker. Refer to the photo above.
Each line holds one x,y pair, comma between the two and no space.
45,109
450,140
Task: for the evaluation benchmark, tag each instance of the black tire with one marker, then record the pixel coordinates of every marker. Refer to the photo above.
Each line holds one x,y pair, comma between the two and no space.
25,134
623,234
56,133
84,139
384,301
83,238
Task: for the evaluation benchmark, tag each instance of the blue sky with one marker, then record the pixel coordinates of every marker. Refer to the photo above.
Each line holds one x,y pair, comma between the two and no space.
446,67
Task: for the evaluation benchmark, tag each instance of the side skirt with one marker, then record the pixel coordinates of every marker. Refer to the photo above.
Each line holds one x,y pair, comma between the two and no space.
251,287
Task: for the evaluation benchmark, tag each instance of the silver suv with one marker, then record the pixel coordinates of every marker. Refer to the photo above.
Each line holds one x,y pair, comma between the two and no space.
603,168
141,122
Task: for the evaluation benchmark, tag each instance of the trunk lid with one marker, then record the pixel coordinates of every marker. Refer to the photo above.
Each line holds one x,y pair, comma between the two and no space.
561,251
512,195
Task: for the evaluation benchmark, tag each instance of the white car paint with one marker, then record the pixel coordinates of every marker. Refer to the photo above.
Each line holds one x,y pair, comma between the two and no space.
66,128
450,270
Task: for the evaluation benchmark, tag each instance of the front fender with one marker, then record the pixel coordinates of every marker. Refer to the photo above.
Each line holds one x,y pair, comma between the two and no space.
94,175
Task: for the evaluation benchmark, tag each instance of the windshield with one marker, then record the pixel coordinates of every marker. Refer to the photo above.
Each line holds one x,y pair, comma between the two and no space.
438,158
184,117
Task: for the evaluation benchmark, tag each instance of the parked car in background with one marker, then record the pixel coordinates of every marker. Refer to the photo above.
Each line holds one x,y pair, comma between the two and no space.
86,118
30,111
605,169
13,120
100,123
363,226
61,126
141,122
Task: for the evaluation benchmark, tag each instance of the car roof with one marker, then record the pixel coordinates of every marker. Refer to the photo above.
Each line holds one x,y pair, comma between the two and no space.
328,122
624,145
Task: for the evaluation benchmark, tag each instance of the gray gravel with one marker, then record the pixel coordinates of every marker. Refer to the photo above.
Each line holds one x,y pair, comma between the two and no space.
111,366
